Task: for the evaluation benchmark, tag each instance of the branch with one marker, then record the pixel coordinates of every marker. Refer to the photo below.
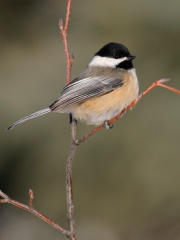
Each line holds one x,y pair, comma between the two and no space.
153,85
63,30
69,185
69,190
7,199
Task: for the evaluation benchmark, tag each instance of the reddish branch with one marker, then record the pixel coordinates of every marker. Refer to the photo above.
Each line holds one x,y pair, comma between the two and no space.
69,190
7,199
63,30
69,185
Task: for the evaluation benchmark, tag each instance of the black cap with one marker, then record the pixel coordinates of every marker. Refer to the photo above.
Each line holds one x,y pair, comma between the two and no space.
113,50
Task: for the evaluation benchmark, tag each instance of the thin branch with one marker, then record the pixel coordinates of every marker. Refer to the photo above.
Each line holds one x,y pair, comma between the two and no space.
68,11
69,185
69,188
7,199
153,85
63,30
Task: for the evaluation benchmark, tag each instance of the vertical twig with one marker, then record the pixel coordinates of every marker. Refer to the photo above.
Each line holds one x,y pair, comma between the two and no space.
69,163
69,185
63,30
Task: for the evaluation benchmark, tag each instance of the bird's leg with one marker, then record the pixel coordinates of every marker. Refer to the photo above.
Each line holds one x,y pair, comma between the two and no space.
71,118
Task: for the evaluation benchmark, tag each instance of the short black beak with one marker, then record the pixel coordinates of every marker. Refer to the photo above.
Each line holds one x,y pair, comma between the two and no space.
131,57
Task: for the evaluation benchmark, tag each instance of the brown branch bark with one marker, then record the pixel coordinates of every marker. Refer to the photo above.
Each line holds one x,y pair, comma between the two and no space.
69,184
69,163
63,30
7,199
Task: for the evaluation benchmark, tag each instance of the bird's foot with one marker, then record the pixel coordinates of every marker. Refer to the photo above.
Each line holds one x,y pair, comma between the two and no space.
108,125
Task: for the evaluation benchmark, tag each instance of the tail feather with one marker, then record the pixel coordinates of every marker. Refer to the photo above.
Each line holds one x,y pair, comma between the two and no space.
31,116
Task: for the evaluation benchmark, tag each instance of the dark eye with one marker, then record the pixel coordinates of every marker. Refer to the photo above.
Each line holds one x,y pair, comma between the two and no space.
116,57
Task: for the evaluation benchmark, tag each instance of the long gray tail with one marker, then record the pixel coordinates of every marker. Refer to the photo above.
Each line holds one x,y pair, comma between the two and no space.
33,115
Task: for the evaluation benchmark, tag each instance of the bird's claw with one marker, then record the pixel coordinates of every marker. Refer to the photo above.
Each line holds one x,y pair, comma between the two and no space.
108,125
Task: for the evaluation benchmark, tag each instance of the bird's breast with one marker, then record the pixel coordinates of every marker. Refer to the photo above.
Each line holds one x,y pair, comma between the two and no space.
99,109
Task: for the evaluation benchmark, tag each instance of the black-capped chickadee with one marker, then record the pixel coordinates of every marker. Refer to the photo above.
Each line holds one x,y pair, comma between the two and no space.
107,85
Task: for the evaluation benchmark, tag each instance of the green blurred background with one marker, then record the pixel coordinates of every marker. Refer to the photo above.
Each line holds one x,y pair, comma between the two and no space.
126,180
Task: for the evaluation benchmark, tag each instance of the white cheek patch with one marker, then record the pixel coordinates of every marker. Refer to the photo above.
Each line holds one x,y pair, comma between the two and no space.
98,61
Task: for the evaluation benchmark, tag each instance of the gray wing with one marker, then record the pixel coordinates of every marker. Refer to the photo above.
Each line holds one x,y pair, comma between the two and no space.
83,89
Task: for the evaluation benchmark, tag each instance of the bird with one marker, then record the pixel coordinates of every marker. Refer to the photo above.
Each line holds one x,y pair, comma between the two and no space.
107,85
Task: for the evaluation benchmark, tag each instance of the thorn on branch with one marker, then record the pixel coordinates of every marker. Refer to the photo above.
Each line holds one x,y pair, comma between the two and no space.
31,198
164,80
61,25
4,196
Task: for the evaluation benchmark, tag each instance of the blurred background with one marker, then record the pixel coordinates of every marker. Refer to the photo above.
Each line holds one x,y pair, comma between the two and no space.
126,180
